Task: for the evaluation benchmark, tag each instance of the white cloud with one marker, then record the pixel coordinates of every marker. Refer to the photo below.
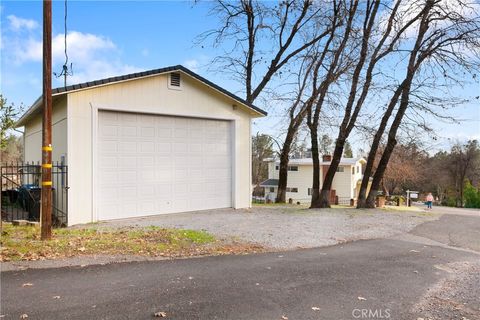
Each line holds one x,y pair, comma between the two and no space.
93,56
18,24
27,50
98,69
192,64
197,63
81,46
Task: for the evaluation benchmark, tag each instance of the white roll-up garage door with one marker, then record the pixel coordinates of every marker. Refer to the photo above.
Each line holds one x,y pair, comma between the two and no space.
149,164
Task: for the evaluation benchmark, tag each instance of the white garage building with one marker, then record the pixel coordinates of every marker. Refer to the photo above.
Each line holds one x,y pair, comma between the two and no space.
160,141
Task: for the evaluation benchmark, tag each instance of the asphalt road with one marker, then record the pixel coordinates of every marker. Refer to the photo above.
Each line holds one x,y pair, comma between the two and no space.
385,277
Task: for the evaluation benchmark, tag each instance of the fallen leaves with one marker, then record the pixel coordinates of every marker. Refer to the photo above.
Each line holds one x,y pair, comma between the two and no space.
28,284
160,314
284,317
23,243
315,308
24,316
362,299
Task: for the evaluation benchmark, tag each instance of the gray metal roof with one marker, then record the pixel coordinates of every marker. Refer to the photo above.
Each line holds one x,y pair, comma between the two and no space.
269,183
90,84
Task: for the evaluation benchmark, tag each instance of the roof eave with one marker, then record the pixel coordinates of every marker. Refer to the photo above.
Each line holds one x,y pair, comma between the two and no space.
256,112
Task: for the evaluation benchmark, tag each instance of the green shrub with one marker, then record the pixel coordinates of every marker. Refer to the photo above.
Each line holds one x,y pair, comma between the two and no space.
449,202
472,196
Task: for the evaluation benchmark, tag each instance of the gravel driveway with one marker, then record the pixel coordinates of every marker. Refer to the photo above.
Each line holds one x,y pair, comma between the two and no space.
288,227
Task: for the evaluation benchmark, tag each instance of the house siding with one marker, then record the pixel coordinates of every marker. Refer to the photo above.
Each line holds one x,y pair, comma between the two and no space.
344,183
151,96
33,134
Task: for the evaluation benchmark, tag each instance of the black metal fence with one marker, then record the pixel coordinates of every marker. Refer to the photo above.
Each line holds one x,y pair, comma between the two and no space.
20,196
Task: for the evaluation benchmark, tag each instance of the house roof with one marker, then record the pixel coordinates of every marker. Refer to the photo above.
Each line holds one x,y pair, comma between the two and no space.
269,183
309,161
90,84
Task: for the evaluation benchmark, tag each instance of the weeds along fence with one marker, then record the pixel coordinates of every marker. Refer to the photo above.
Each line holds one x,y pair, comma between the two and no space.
21,192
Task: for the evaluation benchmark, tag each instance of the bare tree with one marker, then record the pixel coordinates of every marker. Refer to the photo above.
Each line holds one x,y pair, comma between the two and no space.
373,50
292,27
309,87
407,169
336,67
444,34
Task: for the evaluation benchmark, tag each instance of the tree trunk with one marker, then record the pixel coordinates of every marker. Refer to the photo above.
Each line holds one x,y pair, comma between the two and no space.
324,201
283,167
403,90
316,169
413,65
378,177
362,194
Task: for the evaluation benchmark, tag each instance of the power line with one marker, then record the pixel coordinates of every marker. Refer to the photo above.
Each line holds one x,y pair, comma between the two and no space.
66,71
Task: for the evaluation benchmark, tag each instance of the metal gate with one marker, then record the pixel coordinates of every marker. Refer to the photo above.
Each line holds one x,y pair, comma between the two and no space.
20,194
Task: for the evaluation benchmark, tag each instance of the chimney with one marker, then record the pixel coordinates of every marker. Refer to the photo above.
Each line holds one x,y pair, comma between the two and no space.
327,157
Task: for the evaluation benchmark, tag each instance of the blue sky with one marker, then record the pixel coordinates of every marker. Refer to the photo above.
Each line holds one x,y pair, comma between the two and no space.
113,38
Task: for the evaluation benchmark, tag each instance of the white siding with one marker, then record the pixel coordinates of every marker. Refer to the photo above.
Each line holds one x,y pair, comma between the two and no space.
33,134
343,182
272,173
150,96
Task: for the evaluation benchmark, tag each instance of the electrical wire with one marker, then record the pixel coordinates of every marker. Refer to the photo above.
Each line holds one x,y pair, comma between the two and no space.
66,71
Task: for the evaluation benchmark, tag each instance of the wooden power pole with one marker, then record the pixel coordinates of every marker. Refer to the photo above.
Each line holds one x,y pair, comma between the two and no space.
46,199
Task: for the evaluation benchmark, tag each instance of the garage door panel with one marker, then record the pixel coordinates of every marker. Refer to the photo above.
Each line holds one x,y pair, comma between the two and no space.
159,164
128,131
163,148
164,133
147,132
146,161
147,147
109,131
129,147
127,162
109,146
163,190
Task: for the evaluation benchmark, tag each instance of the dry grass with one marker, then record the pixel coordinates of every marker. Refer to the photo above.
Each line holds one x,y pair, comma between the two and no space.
23,243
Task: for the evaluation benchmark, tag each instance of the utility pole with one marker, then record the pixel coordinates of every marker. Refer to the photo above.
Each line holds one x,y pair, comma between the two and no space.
46,199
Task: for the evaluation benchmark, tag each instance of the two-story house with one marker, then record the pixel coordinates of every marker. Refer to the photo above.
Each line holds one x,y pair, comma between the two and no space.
346,182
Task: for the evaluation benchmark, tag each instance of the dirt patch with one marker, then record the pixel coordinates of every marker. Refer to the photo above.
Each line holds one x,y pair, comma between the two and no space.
22,243
287,227
455,297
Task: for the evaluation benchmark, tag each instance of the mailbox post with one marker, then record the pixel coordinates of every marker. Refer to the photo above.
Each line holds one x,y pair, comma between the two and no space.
411,195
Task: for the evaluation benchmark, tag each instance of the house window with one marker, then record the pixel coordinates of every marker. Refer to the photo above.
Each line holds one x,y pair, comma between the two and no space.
292,190
309,191
353,170
272,189
358,169
340,169
276,168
